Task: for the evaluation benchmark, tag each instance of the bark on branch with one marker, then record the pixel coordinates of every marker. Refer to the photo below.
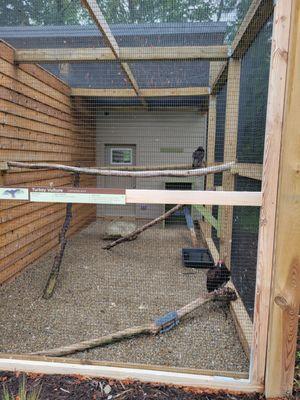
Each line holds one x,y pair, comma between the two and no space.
51,283
134,174
148,167
136,232
224,294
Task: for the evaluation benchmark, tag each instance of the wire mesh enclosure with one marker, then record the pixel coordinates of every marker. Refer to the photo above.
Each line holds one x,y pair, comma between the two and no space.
136,206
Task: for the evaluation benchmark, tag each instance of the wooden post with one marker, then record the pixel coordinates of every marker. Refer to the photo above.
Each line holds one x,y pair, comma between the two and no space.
285,291
268,262
211,140
230,144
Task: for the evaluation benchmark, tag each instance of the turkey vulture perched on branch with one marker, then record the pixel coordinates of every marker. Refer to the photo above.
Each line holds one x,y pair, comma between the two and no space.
198,157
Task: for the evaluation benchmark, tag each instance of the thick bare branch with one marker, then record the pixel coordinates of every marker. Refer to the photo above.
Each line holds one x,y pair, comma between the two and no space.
134,174
223,294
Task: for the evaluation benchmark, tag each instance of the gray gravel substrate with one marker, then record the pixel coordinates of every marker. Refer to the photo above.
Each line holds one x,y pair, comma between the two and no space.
100,292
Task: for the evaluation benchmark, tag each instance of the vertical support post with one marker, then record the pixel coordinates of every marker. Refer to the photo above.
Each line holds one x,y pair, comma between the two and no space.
210,153
274,131
230,144
285,291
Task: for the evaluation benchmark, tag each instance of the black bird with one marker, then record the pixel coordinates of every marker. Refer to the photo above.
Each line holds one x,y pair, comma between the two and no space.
217,276
198,156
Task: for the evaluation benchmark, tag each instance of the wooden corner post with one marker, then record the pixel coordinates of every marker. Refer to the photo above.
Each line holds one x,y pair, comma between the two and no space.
279,236
285,291
230,145
210,152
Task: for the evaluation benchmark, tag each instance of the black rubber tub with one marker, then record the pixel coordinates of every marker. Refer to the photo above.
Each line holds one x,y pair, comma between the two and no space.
197,258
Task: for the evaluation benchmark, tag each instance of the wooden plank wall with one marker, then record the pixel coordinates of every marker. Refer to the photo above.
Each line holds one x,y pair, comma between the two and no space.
39,122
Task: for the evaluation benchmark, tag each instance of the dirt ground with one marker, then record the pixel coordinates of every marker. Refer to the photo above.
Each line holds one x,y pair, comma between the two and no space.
101,291
54,387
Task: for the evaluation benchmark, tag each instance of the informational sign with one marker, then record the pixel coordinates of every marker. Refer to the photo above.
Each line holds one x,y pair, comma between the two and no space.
77,195
13,193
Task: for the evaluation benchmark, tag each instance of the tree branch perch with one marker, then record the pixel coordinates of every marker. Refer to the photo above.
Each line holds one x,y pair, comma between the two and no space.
138,231
134,174
52,279
223,294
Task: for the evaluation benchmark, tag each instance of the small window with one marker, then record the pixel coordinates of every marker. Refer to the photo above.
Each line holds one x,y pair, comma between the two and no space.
121,155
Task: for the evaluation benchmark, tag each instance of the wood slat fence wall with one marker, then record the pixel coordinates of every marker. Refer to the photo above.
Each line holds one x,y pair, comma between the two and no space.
39,121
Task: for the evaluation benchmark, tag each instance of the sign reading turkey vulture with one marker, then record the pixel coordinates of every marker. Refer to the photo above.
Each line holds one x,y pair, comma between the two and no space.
65,195
78,195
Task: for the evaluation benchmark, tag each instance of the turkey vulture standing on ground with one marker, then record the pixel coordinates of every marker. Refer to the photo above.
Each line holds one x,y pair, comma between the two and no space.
198,156
217,276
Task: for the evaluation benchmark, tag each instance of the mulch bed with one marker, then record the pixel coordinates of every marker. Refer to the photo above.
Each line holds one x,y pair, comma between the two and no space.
77,387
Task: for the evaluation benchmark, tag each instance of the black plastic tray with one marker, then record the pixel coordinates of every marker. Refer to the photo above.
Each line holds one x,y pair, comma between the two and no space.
197,258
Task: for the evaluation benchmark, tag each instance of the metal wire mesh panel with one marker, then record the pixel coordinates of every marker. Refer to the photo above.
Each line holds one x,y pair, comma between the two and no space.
161,107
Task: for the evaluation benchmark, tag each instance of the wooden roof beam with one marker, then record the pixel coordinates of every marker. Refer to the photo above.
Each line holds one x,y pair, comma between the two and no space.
153,92
258,13
98,18
220,80
210,53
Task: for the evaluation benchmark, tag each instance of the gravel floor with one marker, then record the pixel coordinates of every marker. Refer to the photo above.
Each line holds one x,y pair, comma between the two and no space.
101,291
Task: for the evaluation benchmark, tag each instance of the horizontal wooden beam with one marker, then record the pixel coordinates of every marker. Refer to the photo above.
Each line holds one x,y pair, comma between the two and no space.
129,196
193,197
258,13
153,367
125,54
100,21
145,375
157,92
252,171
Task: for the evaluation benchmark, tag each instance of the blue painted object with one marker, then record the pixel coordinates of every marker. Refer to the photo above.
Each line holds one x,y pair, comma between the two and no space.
168,321
188,218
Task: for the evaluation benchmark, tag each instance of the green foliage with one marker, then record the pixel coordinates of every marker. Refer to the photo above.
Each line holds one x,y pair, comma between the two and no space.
23,394
41,12
62,12
139,11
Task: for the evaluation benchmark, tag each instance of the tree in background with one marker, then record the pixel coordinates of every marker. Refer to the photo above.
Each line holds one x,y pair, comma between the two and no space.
137,11
41,12
14,12
63,12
